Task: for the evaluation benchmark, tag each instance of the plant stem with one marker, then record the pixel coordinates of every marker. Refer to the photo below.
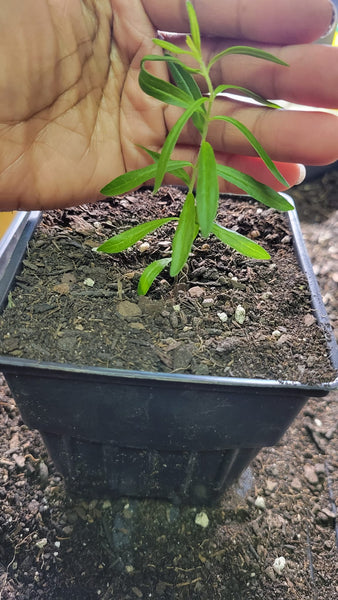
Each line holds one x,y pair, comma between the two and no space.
205,73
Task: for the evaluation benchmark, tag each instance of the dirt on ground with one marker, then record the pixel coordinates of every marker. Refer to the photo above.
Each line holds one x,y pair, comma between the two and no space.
274,535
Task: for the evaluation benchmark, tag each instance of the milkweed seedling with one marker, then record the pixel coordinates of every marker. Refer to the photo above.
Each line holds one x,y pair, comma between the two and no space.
199,211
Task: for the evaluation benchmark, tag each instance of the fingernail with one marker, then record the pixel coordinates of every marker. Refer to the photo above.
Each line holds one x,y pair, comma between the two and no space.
334,19
334,13
302,174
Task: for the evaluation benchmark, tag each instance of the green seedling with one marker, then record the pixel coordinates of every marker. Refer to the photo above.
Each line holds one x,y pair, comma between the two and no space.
199,211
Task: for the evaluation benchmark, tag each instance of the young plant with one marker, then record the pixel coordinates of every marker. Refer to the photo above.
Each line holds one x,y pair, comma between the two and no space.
199,211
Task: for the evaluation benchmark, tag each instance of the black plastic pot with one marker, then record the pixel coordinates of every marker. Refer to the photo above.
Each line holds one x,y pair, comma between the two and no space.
13,246
316,172
132,433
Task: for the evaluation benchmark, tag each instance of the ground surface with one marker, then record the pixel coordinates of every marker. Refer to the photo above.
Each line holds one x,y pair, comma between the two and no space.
284,507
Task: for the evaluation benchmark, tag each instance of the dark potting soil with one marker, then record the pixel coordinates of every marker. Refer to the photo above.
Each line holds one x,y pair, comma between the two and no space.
74,305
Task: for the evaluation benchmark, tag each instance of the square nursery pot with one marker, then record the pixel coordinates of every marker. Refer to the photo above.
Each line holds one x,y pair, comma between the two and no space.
132,433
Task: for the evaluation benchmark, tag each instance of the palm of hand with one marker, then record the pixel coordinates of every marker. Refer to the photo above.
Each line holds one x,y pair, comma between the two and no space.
75,125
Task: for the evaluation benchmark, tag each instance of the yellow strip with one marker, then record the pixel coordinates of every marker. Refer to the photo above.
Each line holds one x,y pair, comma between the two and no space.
5,220
335,38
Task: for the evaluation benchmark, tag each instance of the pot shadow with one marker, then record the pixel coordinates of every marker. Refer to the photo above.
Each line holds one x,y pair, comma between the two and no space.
130,548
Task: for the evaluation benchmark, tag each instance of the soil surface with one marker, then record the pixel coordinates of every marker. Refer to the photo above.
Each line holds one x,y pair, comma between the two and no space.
225,315
274,535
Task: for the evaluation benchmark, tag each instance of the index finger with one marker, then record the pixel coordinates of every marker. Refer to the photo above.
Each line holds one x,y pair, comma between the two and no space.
282,22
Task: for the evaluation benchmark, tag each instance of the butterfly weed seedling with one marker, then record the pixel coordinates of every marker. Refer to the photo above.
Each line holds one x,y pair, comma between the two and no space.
199,211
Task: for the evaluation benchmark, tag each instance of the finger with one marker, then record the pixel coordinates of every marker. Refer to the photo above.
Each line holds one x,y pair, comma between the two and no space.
289,136
306,80
293,173
282,22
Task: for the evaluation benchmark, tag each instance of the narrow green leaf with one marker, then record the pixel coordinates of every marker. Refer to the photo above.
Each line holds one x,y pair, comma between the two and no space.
194,26
246,94
207,189
133,179
160,89
182,175
248,51
150,273
255,144
190,43
240,243
261,192
128,181
171,140
187,83
154,155
184,235
170,47
170,59
127,238
172,164
184,80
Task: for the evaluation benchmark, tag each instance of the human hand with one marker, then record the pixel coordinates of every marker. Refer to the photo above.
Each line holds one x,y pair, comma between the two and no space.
72,113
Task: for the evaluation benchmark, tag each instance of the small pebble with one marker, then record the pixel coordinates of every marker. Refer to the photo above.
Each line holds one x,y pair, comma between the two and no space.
279,565
309,320
196,291
270,573
202,519
67,530
260,502
137,326
311,475
19,460
320,469
330,514
296,484
271,485
89,282
144,247
207,302
43,473
240,314
129,569
128,309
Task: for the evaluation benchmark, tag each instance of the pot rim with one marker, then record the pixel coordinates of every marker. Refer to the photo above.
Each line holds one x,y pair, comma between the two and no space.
62,370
